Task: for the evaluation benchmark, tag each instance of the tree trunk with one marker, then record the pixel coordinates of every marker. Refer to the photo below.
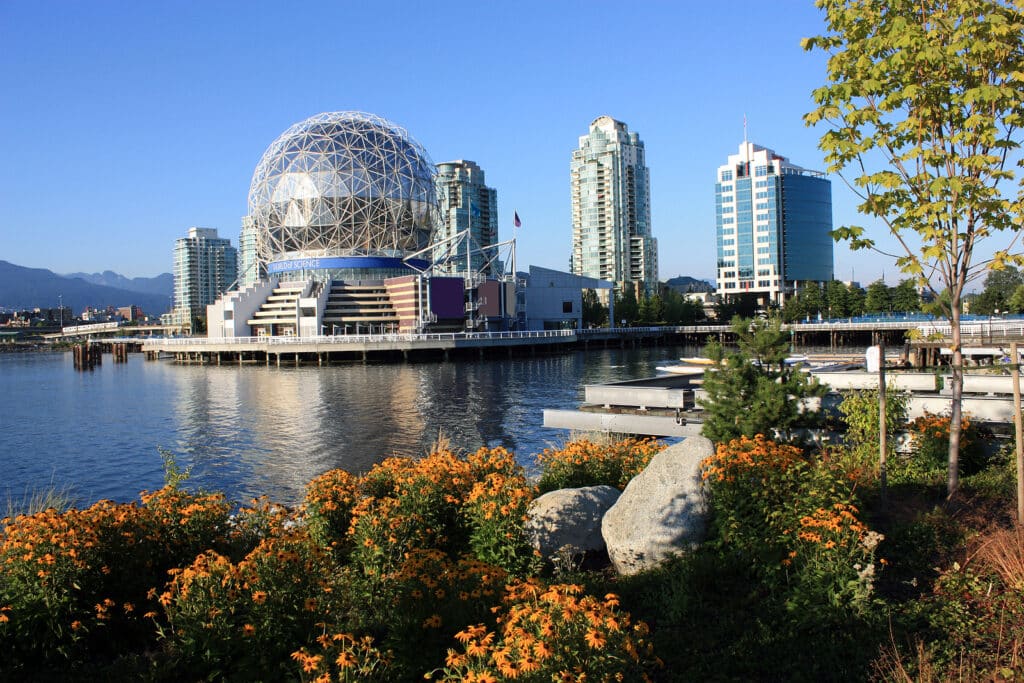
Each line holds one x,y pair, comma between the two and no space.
956,404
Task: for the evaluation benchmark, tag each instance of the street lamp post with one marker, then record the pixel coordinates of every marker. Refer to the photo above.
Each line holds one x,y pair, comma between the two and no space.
60,307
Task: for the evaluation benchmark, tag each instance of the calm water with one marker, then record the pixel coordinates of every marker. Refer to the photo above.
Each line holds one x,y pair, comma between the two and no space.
256,430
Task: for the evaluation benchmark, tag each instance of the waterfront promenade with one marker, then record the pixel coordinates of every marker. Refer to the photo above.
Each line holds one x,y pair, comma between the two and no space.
328,348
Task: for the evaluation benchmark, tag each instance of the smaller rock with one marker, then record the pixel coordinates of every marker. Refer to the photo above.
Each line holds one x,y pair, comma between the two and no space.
569,520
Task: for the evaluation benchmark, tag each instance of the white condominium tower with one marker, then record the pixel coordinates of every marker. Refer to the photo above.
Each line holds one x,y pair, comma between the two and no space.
773,221
464,200
204,267
611,208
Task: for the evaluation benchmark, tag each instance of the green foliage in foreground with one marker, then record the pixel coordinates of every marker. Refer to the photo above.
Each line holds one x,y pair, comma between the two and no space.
420,568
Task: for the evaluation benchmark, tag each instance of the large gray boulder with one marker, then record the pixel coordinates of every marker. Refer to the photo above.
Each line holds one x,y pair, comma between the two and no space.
569,520
662,512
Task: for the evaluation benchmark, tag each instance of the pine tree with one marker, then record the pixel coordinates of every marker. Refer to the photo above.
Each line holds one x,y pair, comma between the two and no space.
753,391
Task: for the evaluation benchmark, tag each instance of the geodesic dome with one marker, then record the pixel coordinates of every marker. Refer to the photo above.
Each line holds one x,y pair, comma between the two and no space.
343,184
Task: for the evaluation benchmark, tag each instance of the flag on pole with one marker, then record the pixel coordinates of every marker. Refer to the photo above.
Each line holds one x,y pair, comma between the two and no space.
518,223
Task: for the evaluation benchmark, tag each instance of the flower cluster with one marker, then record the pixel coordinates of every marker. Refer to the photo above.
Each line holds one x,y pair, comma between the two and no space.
440,501
745,457
795,519
328,505
929,436
586,463
252,611
66,573
553,633
343,657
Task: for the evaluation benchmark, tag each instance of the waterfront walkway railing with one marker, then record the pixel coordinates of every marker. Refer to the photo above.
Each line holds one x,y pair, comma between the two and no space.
342,339
972,330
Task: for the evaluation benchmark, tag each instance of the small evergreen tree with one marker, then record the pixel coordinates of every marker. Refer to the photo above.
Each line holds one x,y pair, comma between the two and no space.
753,391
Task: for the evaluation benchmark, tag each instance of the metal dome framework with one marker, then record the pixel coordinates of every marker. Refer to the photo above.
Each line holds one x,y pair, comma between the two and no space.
343,184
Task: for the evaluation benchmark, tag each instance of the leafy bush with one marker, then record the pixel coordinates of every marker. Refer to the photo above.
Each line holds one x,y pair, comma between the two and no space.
430,598
78,580
554,633
343,658
860,413
587,463
494,510
249,615
328,508
794,519
930,450
975,616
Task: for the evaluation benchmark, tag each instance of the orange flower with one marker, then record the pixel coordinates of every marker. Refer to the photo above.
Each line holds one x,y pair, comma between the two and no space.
594,639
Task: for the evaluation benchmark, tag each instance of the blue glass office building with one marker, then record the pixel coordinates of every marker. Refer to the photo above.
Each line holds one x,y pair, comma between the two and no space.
772,221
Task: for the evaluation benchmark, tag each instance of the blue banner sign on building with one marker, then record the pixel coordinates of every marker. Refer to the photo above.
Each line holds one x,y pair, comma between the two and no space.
333,262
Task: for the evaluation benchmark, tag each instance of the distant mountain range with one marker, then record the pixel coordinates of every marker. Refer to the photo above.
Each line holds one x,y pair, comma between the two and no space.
685,284
162,284
26,288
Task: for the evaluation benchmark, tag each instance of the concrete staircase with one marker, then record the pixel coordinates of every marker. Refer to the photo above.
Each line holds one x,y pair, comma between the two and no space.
278,315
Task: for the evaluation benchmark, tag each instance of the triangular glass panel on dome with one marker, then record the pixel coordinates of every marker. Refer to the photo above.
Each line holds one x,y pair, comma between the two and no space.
337,185
295,218
358,183
321,214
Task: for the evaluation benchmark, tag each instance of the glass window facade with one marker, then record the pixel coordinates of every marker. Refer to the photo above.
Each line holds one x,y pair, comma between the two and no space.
772,226
807,215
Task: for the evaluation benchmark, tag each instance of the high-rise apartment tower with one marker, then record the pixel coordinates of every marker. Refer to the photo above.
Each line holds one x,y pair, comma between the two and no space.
464,200
772,220
611,208
204,267
249,267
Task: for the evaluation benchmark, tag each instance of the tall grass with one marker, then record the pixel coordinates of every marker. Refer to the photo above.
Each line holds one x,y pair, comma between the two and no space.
37,499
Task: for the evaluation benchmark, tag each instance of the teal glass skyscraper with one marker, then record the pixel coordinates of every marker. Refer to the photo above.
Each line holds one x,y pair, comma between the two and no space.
611,209
772,220
465,201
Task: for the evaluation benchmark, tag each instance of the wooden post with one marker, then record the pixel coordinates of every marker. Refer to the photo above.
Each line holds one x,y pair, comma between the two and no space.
1018,430
882,427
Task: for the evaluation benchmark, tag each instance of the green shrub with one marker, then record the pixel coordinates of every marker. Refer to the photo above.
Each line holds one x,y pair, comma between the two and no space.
328,509
927,461
796,522
552,634
247,618
859,410
588,463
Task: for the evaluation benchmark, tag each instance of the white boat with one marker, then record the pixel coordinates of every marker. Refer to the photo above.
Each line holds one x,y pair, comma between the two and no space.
683,369
697,360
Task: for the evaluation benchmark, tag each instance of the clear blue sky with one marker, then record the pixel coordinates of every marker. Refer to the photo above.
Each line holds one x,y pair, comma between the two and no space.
124,123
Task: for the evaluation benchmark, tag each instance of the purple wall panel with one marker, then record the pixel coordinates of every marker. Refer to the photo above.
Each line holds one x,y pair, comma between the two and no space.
490,292
446,297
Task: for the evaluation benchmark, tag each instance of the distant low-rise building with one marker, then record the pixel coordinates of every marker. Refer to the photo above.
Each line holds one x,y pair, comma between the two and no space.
553,300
